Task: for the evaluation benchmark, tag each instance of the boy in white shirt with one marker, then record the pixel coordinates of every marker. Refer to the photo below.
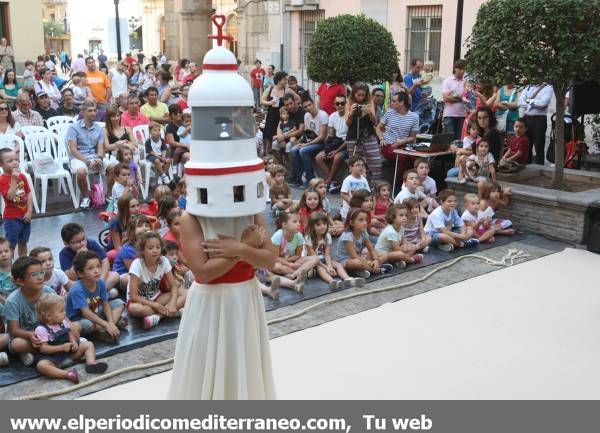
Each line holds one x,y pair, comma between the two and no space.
446,228
410,189
353,182
426,183
122,183
480,222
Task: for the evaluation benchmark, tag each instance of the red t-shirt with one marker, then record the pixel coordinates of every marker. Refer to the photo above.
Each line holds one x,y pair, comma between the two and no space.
327,94
129,121
184,105
190,77
520,144
17,207
257,75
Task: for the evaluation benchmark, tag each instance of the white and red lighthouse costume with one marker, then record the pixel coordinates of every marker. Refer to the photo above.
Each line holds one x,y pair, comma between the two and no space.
223,343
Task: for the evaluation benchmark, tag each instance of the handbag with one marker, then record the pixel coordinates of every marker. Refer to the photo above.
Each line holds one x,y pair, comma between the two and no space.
97,195
501,119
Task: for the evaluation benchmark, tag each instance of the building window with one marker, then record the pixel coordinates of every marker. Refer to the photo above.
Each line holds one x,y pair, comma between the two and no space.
202,196
424,35
239,194
308,25
260,190
222,123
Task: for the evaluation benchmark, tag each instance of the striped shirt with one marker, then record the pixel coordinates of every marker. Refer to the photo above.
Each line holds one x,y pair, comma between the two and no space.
398,126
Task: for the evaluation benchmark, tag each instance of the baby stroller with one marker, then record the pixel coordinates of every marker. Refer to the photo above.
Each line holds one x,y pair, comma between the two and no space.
426,109
575,147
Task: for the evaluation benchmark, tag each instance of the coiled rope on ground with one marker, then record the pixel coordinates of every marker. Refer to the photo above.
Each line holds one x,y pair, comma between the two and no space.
506,261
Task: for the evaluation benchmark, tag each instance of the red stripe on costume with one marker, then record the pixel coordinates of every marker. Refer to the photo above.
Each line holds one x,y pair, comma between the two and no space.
224,170
242,271
220,67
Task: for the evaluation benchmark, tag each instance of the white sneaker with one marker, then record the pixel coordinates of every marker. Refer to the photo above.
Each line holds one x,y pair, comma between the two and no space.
26,358
446,247
336,284
113,293
151,321
3,359
85,203
362,273
354,282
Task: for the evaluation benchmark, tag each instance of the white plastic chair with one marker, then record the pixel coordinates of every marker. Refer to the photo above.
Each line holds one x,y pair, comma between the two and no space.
31,129
54,121
42,145
12,141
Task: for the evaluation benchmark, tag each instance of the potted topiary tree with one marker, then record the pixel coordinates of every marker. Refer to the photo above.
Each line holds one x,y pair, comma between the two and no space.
351,48
535,41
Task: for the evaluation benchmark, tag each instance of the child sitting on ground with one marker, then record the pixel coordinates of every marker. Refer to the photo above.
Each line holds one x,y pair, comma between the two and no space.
352,243
125,156
145,299
353,182
410,189
180,194
318,243
73,236
309,202
19,310
182,273
280,192
446,228
415,239
426,183
482,226
127,208
7,285
364,200
56,279
160,192
123,184
388,246
128,252
336,227
165,205
18,203
58,342
290,243
383,201
88,303
156,154
493,197
516,156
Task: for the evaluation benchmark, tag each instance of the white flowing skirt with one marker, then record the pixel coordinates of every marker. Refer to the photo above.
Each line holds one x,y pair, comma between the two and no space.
222,350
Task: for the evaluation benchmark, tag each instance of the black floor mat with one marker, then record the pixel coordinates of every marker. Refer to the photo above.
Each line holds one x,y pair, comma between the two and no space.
131,338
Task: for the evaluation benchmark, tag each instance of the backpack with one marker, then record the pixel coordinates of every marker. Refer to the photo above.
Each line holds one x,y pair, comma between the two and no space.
97,195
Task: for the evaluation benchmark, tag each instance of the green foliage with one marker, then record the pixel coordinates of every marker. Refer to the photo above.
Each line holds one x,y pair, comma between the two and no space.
350,48
535,41
54,28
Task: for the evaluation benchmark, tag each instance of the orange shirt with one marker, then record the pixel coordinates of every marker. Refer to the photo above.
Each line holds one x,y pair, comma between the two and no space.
98,83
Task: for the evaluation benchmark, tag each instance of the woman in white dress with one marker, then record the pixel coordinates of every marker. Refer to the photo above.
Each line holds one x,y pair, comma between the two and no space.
222,349
46,85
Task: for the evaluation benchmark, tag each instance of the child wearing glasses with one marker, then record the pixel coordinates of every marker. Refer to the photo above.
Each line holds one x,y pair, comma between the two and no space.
19,311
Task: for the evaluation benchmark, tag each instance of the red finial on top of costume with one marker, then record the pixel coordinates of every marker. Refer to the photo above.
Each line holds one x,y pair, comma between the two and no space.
219,22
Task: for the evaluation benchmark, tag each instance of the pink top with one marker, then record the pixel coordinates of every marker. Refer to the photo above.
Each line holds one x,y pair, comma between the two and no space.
452,85
42,333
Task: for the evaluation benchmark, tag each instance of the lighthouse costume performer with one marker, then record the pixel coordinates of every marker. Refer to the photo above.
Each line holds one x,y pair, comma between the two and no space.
223,344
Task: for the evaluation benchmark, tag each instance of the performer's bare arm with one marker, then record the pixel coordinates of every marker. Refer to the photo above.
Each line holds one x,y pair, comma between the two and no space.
204,270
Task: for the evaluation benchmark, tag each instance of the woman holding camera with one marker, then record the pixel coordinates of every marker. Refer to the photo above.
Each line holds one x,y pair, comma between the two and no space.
362,120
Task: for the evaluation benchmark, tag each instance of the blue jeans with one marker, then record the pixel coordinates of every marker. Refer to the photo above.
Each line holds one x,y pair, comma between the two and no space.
453,172
256,92
453,125
16,230
302,160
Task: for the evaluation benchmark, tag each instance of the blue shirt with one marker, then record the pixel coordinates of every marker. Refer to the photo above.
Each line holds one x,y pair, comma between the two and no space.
67,255
127,252
18,308
87,139
114,225
80,297
416,97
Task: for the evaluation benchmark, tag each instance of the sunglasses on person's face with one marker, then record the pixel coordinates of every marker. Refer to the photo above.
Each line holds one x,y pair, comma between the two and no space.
339,104
3,108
